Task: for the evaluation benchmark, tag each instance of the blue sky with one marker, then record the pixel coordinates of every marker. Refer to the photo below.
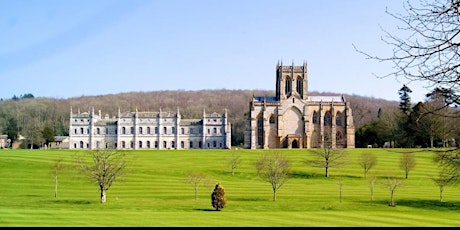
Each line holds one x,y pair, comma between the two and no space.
72,48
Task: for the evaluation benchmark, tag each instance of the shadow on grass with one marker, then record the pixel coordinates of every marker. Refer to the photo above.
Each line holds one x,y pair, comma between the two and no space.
250,199
70,202
206,210
435,205
304,175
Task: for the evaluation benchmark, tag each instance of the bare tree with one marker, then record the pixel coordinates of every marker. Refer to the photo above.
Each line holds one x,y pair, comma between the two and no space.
367,161
234,160
57,168
428,49
273,167
392,183
407,163
340,184
372,180
197,179
449,161
327,157
442,180
106,167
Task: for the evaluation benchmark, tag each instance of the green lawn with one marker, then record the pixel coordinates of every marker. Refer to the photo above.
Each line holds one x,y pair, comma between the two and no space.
153,193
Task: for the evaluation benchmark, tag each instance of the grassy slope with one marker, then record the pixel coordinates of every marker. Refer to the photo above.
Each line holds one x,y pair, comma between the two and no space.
153,193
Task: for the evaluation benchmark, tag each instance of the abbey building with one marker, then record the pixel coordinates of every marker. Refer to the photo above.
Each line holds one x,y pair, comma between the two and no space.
148,130
294,119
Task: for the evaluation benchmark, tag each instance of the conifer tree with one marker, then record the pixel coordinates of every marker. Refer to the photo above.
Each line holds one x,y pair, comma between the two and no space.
218,200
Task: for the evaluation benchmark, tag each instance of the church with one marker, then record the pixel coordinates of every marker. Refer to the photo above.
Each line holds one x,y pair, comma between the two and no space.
293,119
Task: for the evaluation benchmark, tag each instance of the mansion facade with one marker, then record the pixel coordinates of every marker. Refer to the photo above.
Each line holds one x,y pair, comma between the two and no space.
294,119
148,130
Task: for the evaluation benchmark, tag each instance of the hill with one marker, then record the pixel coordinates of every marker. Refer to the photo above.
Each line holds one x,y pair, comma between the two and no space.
41,112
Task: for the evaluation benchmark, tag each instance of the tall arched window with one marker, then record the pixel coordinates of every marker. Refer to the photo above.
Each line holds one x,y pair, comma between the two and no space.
338,119
123,130
288,85
327,119
148,130
315,117
299,85
140,130
272,119
260,130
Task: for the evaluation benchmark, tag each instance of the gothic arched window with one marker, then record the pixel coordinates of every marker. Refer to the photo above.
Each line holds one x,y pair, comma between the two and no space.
260,130
299,85
288,85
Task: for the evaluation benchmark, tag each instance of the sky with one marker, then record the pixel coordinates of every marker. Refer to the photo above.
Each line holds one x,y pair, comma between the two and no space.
72,48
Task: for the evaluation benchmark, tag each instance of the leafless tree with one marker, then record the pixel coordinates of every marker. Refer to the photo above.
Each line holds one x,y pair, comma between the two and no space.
407,163
105,167
234,160
340,184
372,180
442,180
57,168
427,49
327,157
392,183
367,161
273,167
197,179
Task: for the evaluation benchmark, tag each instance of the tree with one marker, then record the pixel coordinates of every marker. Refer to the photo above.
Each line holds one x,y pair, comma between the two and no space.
273,167
449,161
57,168
234,160
327,157
12,130
427,49
372,180
340,184
405,103
48,135
218,200
106,167
442,180
407,163
392,183
196,179
367,161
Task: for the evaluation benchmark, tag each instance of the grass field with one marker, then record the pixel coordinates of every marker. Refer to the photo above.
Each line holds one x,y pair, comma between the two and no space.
153,193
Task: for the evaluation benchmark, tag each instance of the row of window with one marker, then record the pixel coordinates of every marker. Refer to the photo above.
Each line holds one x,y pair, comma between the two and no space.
172,144
327,119
148,130
288,85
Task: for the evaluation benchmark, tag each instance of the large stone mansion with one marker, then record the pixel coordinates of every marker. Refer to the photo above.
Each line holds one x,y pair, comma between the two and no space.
294,119
148,130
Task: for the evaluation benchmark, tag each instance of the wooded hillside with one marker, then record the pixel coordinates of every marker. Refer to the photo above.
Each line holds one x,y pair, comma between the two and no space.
36,113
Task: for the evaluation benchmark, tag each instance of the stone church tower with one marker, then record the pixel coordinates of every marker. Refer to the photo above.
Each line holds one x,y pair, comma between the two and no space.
293,119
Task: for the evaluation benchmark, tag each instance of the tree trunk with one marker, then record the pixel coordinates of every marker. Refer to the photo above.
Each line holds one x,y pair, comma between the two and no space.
274,195
103,196
55,186
327,171
392,202
440,193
